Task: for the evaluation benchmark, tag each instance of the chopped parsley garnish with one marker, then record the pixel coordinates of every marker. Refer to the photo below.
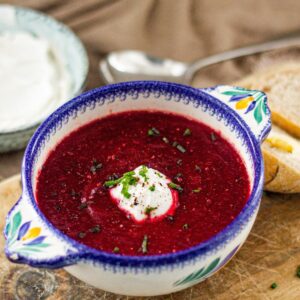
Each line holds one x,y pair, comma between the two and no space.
197,168
95,229
150,132
114,176
127,179
149,209
83,205
81,235
179,162
185,226
196,190
298,272
187,132
143,172
125,188
153,131
111,183
96,166
73,193
152,188
57,207
166,140
144,247
213,136
159,175
273,286
116,250
175,186
180,148
170,218
178,175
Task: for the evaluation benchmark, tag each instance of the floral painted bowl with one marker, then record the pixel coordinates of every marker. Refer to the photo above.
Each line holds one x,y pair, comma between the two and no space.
243,118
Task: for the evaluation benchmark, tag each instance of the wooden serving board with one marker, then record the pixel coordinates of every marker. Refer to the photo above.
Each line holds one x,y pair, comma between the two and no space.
270,254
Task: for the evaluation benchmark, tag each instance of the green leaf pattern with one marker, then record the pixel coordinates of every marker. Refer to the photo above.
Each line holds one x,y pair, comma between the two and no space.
24,243
200,274
248,100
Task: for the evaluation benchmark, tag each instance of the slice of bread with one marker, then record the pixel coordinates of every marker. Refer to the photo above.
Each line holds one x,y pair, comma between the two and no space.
281,154
281,83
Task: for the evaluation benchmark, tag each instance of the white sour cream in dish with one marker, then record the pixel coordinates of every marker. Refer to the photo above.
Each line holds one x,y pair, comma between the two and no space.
33,80
144,194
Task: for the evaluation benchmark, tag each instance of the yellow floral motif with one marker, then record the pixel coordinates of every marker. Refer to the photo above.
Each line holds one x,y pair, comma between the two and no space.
32,233
242,104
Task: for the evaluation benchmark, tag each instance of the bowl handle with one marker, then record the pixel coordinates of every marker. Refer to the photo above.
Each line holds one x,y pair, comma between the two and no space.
29,239
250,105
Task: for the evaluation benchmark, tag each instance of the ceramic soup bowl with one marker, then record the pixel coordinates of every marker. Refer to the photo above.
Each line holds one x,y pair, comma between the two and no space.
241,116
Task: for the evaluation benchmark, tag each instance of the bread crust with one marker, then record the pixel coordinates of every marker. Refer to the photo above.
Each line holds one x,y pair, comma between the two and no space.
280,175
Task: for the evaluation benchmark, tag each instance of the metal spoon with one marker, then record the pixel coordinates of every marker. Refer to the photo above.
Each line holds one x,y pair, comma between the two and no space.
130,65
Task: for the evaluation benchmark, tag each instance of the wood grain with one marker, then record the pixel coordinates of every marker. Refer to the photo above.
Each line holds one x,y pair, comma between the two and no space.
270,254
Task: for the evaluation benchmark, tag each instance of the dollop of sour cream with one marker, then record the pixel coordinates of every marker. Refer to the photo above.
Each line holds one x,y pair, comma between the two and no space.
144,195
34,81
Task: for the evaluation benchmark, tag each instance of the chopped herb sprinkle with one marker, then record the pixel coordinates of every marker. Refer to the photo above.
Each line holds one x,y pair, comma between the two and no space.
96,166
83,206
180,148
170,218
111,183
298,272
197,168
273,286
174,144
127,179
150,132
143,172
114,176
166,140
153,131
81,235
58,207
158,174
185,226
179,162
196,190
175,186
116,250
73,193
178,177
187,132
149,209
213,136
152,188
95,229
144,247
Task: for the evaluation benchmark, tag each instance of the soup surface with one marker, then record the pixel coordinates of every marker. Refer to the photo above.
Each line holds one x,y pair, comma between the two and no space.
183,183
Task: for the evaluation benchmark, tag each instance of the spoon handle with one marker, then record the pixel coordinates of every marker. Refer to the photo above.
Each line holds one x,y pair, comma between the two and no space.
284,42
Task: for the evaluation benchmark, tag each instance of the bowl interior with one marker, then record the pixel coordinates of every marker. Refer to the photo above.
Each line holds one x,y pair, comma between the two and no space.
65,46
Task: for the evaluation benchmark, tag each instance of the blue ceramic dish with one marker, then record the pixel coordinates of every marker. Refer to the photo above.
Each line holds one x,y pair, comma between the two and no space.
243,118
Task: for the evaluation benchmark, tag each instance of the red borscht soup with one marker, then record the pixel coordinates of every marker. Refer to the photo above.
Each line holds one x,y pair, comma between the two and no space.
142,183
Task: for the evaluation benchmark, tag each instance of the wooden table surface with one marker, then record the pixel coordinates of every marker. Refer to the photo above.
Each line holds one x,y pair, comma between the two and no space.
183,30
